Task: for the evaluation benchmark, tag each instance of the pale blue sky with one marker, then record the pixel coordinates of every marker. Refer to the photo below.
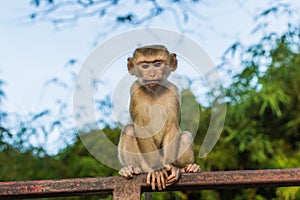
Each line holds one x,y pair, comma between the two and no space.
34,52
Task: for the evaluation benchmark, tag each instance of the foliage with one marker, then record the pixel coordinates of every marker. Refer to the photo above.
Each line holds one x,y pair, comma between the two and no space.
262,123
4,132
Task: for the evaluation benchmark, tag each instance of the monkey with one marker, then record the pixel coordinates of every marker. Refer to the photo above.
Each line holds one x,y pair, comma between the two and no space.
152,142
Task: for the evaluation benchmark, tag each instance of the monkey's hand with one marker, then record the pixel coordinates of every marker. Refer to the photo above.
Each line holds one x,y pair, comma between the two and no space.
129,171
191,168
174,174
157,178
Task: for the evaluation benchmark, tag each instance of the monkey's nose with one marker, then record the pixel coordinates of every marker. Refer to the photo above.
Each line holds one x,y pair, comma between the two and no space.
152,74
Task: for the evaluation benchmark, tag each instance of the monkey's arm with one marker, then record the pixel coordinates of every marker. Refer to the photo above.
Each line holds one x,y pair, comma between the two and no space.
170,154
170,145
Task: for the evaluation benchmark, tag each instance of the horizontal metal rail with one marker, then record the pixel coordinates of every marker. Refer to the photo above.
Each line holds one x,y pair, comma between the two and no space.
122,188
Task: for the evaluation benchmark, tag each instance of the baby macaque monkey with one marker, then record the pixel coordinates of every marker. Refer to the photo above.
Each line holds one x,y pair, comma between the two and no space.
153,142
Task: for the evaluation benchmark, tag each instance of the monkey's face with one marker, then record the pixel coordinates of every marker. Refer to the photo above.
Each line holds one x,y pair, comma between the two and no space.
152,72
152,69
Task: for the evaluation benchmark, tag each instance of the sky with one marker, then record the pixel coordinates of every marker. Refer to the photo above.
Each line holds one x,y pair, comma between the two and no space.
33,53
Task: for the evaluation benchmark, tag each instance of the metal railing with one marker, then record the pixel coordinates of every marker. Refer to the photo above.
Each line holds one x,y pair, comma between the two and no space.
122,188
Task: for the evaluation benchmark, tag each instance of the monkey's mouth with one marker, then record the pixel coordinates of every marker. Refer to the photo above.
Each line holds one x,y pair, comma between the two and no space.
152,81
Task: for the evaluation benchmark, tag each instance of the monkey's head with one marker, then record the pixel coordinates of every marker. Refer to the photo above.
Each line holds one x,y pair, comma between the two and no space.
152,64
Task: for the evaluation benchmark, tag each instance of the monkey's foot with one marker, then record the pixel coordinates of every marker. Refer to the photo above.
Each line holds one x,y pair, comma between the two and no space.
191,168
129,170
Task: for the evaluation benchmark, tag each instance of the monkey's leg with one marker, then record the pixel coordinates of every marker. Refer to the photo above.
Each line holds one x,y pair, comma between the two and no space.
186,154
128,153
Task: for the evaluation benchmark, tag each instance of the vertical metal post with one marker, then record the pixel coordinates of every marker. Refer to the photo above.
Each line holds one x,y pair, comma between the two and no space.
127,191
148,195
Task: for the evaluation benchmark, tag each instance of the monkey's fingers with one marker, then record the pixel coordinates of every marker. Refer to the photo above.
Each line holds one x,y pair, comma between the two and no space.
153,181
183,170
168,167
136,170
174,176
175,172
161,179
149,178
192,168
158,180
172,180
125,174
127,171
165,173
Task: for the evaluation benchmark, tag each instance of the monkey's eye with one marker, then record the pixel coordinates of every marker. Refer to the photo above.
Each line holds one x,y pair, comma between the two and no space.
145,65
157,64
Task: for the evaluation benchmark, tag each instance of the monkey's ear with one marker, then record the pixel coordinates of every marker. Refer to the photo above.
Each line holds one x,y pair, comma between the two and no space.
130,65
173,61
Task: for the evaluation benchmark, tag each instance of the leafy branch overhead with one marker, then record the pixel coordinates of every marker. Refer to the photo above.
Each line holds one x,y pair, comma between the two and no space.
121,12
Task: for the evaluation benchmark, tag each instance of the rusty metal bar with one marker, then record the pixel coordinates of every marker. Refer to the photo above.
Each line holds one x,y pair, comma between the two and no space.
121,188
239,179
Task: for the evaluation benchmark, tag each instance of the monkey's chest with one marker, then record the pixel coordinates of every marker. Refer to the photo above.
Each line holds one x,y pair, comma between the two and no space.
154,113
152,120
